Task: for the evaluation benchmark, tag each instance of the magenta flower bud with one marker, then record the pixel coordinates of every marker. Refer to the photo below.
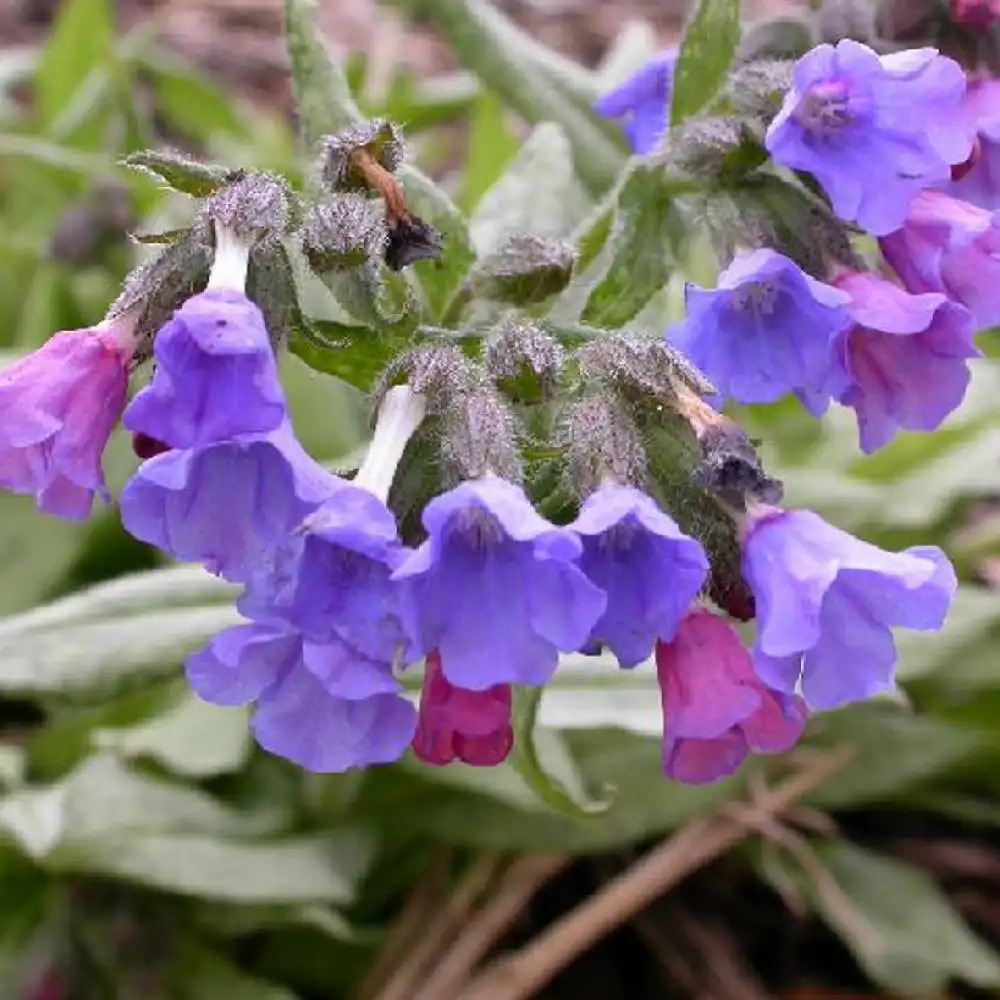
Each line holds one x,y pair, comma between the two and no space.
716,711
456,724
975,13
58,406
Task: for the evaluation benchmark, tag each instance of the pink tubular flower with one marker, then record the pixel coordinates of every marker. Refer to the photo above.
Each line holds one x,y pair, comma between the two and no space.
907,357
953,247
456,724
716,710
58,406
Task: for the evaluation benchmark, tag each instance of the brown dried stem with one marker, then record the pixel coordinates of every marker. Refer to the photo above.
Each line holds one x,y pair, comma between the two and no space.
521,974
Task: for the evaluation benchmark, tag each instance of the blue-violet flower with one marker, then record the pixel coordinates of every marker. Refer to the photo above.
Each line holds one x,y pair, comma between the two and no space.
495,588
227,504
642,102
873,130
648,568
215,378
767,329
826,601
324,707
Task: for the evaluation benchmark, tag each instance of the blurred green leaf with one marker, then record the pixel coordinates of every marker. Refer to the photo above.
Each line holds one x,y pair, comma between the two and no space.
543,760
200,974
644,229
509,63
174,586
491,146
706,53
82,39
894,750
192,739
898,923
94,659
104,798
35,550
539,193
317,869
323,100
633,46
179,172
191,104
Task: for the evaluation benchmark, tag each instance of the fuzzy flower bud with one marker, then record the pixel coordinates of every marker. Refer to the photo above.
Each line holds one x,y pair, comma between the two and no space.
342,232
523,360
251,207
524,269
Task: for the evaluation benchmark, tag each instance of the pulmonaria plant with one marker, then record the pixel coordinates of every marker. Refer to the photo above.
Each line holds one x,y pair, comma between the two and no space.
535,484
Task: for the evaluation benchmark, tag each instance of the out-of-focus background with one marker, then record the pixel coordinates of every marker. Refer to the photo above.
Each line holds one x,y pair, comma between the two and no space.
148,850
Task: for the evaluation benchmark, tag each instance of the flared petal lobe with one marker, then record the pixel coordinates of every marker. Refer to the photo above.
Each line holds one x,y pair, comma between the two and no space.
324,707
766,330
226,505
953,248
907,357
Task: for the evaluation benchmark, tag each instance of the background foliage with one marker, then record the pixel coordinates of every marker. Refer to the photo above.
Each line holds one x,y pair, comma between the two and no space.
149,850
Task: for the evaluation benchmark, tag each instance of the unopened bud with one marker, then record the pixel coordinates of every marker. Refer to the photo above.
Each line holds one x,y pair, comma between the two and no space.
252,206
641,367
708,147
159,285
366,159
523,360
342,232
524,269
341,166
600,441
479,436
439,372
730,465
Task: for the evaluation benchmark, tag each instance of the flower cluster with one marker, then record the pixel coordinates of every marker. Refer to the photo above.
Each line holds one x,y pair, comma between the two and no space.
892,141
547,494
